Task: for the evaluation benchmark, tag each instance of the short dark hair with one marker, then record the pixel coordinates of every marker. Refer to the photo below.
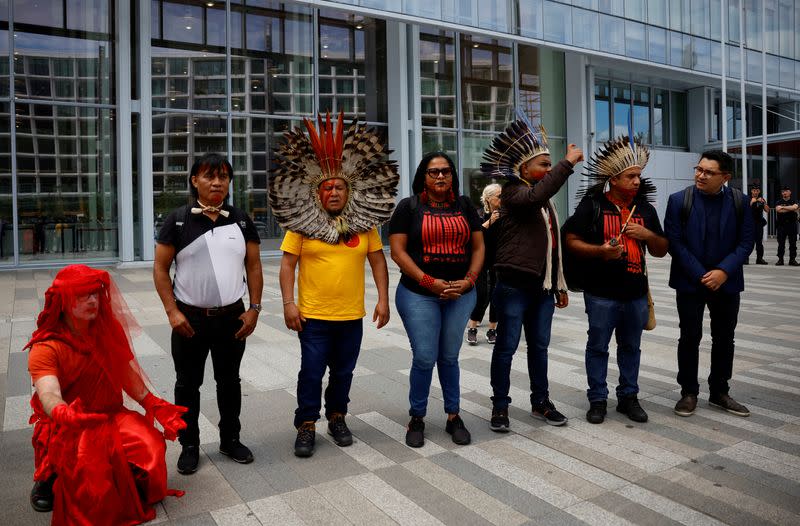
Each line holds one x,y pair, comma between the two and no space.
724,160
209,162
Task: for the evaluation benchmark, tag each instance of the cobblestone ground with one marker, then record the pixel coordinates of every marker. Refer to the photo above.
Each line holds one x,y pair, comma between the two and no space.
711,468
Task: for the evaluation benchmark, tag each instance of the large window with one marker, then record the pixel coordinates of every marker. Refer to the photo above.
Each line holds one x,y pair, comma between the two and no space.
487,88
65,155
240,106
655,116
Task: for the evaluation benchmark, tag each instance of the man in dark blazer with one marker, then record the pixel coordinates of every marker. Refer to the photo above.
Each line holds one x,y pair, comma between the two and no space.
709,241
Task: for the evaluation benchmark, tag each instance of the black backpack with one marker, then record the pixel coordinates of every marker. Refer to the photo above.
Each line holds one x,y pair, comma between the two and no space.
576,268
688,198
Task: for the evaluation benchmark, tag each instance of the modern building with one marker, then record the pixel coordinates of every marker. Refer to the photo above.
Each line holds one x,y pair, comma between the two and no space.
104,104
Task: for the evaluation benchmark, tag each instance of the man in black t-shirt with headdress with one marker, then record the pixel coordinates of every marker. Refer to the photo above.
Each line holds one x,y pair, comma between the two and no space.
611,227
757,207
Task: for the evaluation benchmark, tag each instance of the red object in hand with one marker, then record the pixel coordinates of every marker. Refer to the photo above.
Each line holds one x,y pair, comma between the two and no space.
168,415
64,415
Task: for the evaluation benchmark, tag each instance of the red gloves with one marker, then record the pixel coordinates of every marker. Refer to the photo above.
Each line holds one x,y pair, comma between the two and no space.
168,415
64,415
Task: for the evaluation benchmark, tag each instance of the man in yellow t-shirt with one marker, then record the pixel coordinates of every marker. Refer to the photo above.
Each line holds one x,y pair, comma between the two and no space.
328,315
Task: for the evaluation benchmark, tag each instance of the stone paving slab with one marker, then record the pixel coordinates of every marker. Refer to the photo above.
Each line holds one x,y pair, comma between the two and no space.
710,469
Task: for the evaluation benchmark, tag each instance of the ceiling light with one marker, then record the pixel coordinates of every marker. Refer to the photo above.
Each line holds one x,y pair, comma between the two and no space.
474,45
360,26
324,46
190,27
210,4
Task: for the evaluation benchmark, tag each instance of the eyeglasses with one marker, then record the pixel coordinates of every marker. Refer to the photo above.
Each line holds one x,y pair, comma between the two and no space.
702,172
436,172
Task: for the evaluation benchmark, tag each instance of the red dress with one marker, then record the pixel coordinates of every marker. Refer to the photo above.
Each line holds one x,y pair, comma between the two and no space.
111,474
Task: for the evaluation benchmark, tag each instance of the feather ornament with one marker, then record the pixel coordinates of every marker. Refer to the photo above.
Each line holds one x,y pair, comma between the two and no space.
613,158
355,154
512,148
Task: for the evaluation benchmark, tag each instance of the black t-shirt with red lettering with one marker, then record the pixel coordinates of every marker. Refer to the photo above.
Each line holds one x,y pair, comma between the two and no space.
620,279
439,239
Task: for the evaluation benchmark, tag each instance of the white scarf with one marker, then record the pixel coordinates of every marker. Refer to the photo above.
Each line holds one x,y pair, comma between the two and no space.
561,283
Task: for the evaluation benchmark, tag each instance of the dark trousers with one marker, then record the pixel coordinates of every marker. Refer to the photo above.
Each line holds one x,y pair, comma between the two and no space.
484,286
212,334
518,310
723,309
787,231
758,235
332,345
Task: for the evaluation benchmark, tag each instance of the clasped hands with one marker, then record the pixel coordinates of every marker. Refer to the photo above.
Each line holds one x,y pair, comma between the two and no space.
450,290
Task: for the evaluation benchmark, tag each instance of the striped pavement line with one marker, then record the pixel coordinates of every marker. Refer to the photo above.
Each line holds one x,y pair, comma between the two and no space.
267,509
666,507
391,502
769,465
594,515
466,494
352,504
712,491
524,480
569,464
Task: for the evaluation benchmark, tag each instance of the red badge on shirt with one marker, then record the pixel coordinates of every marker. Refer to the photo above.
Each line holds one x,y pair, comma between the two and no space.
353,241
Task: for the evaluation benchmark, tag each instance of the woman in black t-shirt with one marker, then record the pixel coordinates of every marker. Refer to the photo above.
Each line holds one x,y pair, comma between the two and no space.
436,240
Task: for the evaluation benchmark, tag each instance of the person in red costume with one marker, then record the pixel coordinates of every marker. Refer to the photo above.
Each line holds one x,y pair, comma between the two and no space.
97,462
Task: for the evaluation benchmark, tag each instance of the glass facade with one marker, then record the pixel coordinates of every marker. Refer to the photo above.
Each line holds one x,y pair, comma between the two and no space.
657,116
685,30
233,76
206,100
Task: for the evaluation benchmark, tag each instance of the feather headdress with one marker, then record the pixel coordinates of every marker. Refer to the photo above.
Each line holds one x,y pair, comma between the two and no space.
518,144
356,155
613,158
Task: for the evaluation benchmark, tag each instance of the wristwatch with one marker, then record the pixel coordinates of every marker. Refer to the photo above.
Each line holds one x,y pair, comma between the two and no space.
256,307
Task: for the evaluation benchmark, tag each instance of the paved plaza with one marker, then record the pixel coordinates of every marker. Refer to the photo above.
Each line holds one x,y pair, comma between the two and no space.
711,468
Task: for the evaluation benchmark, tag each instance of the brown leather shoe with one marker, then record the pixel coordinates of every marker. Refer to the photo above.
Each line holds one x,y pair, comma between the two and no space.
686,405
730,405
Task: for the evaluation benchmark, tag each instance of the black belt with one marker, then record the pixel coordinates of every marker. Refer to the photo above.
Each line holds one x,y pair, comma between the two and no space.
210,311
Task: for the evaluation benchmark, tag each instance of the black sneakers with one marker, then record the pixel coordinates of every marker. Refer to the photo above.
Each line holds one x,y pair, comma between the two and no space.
42,495
472,336
723,401
456,429
499,421
306,437
630,406
188,460
337,428
779,263
547,411
793,263
415,434
237,451
597,412
761,262
491,336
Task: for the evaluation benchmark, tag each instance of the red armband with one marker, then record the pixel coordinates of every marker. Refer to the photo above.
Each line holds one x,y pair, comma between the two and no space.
427,282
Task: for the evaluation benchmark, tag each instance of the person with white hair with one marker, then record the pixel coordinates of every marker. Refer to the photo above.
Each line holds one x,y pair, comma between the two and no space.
484,285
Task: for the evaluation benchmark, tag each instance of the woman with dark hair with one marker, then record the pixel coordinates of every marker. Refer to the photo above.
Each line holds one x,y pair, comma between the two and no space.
436,240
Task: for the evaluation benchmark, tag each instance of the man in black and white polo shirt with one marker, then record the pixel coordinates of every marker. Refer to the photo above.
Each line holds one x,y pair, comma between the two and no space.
215,247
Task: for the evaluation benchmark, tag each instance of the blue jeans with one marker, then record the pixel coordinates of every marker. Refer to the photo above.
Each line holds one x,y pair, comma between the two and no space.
518,309
627,320
326,344
435,329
